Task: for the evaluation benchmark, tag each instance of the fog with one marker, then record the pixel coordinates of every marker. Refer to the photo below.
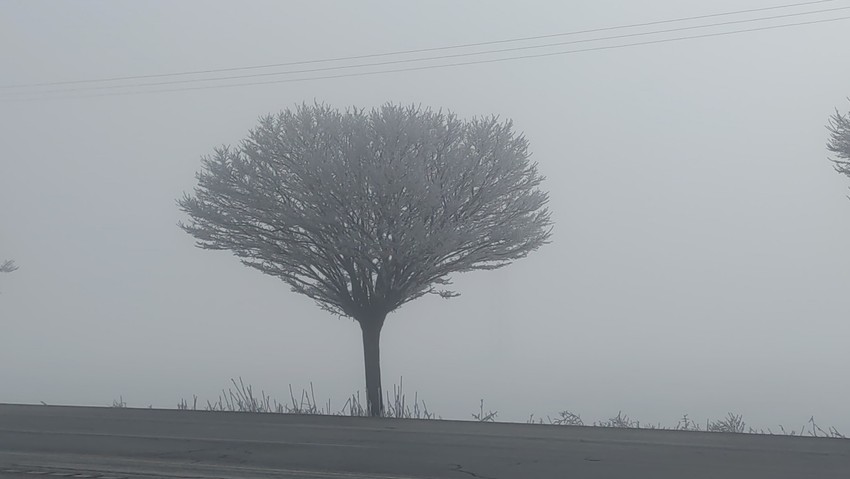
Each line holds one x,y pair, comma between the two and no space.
699,261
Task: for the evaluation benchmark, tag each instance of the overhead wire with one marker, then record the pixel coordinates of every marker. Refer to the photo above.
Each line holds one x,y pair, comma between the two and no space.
438,57
413,51
428,67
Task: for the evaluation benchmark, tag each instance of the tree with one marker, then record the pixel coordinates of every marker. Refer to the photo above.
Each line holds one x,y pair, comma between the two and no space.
839,141
7,267
364,211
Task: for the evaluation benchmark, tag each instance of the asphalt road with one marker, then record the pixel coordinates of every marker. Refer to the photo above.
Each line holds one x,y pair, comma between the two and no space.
108,443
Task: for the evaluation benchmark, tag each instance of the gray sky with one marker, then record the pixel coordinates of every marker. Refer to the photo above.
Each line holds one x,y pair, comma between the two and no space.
699,263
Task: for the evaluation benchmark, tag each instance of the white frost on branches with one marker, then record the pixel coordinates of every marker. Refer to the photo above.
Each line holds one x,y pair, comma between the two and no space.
839,142
363,211
7,266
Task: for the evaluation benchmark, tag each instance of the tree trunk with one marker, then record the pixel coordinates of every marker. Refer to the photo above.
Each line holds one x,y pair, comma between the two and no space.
372,355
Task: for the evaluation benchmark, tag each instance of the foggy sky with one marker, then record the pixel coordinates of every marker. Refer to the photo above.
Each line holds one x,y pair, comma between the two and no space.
699,262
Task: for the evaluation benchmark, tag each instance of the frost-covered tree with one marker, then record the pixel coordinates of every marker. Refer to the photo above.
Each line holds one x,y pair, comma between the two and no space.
364,211
839,141
7,266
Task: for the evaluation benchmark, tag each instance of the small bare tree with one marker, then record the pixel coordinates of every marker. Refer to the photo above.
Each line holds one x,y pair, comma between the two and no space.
839,141
364,211
7,266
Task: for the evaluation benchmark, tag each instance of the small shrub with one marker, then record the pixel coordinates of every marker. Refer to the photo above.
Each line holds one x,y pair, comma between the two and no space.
731,423
619,421
687,424
481,416
567,418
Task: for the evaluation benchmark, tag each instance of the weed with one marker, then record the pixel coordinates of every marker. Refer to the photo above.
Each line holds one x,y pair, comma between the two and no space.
481,416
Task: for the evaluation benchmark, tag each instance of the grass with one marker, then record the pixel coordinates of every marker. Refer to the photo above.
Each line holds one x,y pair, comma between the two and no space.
240,397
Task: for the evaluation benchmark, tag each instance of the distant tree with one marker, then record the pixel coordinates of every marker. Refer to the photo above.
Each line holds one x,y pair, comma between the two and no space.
839,141
7,266
364,211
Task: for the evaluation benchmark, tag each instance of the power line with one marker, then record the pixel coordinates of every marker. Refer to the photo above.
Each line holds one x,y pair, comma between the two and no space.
449,65
431,58
420,50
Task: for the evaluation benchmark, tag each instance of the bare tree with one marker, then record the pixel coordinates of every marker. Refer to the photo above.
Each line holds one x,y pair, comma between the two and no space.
364,211
8,266
839,141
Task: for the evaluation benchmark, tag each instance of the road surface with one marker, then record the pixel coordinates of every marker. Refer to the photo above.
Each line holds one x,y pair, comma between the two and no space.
114,443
